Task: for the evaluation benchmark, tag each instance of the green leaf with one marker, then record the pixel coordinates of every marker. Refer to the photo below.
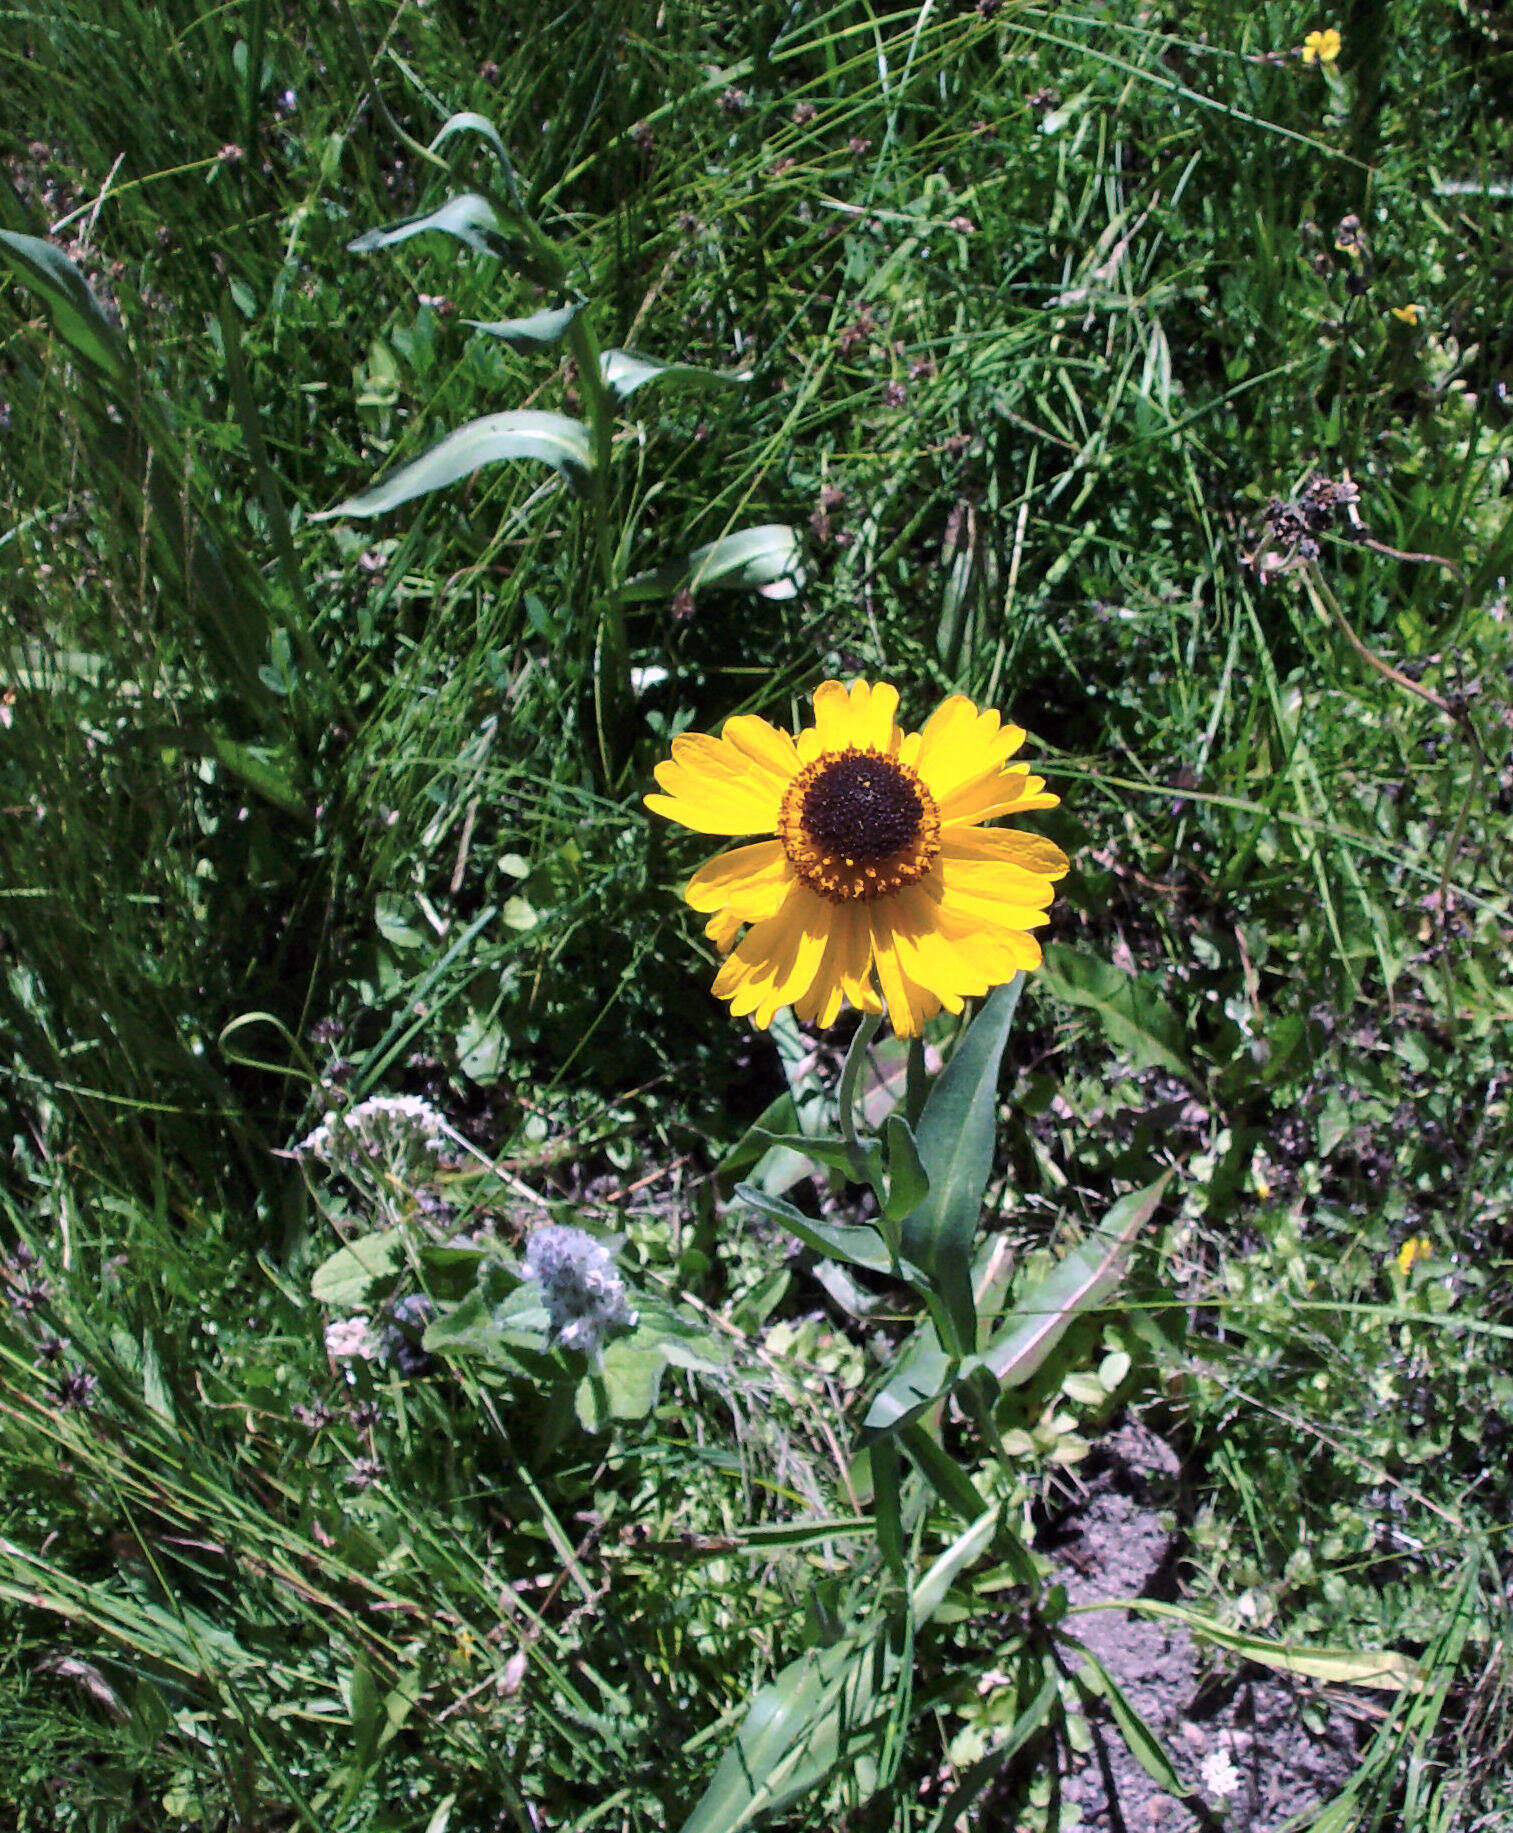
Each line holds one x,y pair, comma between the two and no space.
263,770
944,1475
955,1142
468,218
625,1385
467,121
554,439
794,1732
1134,1017
908,1181
623,373
345,1279
764,560
853,1246
1083,1279
76,314
1144,1745
920,1376
534,330
929,1594
1382,1668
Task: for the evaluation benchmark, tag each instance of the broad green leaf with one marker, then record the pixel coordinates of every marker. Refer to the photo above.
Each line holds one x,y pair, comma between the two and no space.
468,218
623,374
1040,1319
76,314
834,1153
908,1181
955,1140
921,1375
1134,1017
1382,1668
346,1278
852,1245
764,560
554,439
535,329
625,1385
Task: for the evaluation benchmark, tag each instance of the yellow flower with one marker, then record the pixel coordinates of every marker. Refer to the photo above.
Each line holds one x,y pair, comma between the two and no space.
1321,47
880,876
1409,314
1416,1247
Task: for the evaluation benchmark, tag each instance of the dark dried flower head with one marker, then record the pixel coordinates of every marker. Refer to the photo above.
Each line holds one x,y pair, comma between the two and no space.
857,145
49,1348
30,1299
682,607
734,101
642,136
315,1417
895,394
803,113
364,1415
75,1388
365,1472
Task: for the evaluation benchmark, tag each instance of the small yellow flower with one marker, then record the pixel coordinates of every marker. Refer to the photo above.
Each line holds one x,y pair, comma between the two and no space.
1409,314
1416,1247
1321,47
880,881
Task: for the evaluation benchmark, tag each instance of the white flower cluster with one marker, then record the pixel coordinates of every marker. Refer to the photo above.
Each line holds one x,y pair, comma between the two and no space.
585,1296
392,1123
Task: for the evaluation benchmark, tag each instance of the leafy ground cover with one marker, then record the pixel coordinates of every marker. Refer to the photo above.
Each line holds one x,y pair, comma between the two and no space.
1135,373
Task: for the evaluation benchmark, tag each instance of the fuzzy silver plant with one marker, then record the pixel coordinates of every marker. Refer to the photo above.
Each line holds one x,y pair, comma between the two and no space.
584,1294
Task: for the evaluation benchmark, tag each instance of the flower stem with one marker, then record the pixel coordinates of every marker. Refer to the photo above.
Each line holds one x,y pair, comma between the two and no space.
851,1075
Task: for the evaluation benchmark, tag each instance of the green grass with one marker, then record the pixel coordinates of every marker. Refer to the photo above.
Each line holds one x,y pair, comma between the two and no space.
1040,310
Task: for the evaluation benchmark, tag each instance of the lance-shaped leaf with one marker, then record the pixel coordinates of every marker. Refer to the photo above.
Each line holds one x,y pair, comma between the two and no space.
854,1245
764,560
76,313
532,331
623,374
1383,1668
1085,1278
469,218
467,121
554,439
955,1141
827,1709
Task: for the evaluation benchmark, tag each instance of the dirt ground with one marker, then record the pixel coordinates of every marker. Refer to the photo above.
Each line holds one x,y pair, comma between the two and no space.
1234,1733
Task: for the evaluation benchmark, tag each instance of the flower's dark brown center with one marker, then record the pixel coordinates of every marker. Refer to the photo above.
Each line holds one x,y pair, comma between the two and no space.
861,808
859,825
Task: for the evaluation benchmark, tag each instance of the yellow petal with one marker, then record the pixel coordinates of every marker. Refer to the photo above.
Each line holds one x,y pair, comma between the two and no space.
751,880
958,744
722,929
844,973
764,744
775,962
1007,846
873,705
718,788
1003,792
833,723
909,1004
